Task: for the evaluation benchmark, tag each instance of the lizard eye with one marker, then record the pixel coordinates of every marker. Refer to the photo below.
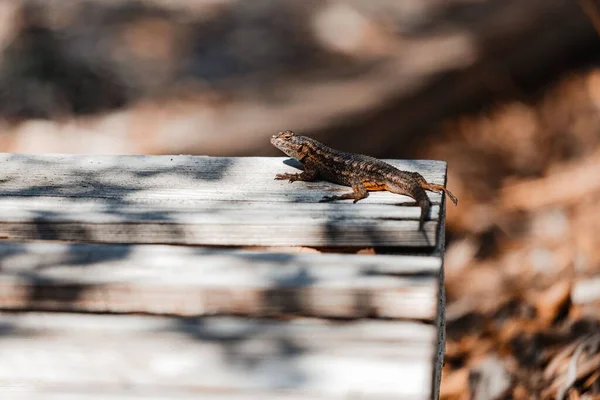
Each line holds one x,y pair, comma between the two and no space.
287,134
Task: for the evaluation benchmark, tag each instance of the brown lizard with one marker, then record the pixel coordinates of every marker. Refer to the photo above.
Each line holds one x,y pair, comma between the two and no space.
362,173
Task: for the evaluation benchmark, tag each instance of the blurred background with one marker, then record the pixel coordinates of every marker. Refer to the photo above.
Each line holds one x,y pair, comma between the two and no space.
506,91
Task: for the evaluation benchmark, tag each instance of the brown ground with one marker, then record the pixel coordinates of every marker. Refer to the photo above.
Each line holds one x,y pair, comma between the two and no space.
523,262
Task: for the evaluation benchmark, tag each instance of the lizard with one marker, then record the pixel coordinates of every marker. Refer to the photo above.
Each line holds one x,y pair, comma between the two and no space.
361,172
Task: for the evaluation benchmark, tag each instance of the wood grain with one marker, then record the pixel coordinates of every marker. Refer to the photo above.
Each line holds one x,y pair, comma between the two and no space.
189,281
101,393
185,350
216,356
199,200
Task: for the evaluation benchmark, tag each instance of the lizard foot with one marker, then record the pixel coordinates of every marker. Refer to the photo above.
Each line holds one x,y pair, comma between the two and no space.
290,177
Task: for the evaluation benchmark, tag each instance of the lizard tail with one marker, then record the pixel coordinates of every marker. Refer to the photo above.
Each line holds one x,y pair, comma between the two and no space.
438,189
449,194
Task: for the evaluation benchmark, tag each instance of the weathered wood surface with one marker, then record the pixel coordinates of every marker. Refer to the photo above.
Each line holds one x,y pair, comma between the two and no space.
191,281
225,358
152,200
440,320
27,393
199,200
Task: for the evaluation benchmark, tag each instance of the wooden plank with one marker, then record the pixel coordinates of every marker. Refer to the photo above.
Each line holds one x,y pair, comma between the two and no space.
56,210
199,200
190,281
99,393
440,320
22,392
217,356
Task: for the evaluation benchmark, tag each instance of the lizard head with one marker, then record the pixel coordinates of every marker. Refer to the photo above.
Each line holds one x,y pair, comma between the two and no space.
291,144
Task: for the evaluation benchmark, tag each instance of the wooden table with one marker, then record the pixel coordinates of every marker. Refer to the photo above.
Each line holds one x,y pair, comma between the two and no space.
198,277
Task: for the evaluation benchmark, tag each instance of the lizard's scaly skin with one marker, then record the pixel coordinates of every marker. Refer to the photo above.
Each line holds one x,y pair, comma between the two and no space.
362,173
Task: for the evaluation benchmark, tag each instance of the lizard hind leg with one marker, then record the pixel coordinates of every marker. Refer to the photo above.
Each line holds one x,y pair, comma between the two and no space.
416,191
359,192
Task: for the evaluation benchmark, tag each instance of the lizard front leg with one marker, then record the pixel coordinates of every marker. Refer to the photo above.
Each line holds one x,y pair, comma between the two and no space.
359,192
309,175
